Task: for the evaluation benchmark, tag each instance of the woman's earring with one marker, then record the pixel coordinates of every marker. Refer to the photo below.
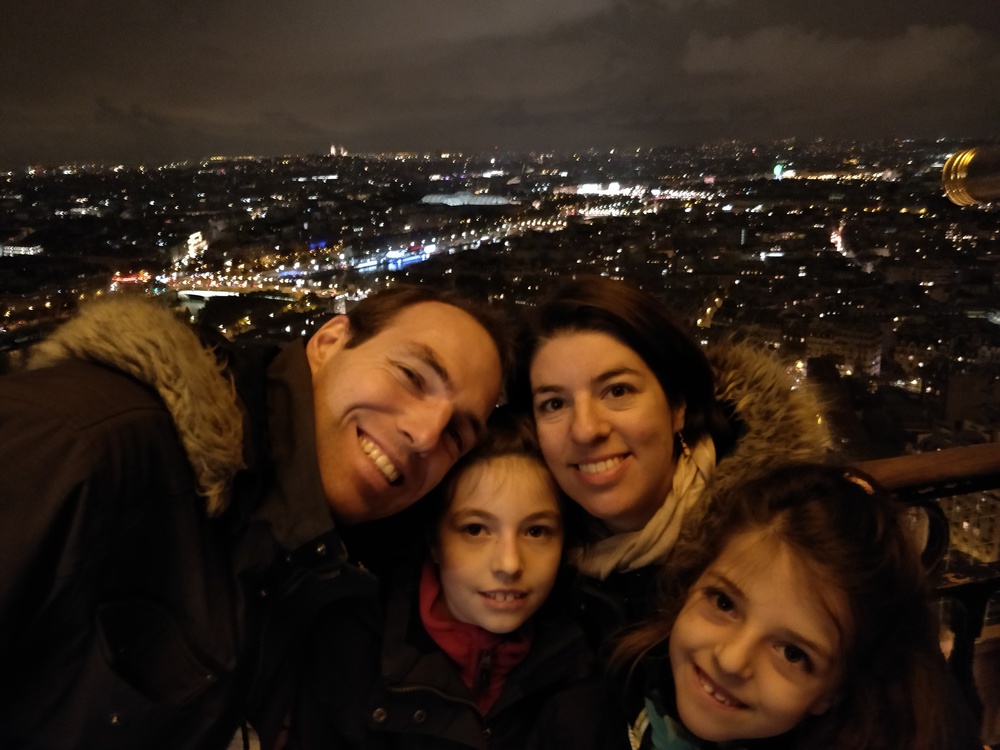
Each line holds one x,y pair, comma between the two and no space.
685,448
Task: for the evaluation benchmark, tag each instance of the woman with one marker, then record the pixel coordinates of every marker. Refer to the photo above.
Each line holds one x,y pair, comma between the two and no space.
637,424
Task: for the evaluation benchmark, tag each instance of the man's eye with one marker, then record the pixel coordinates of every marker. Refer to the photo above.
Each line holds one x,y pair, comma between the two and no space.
411,375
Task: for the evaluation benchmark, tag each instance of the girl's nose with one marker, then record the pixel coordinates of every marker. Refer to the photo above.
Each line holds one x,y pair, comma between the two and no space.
734,654
507,561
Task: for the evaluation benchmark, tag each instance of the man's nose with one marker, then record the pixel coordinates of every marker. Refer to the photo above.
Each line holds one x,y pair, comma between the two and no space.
424,422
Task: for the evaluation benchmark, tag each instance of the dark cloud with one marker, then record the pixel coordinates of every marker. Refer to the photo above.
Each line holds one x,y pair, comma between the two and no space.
127,80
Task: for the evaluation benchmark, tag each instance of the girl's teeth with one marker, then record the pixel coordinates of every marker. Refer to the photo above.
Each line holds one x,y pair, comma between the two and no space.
502,597
718,696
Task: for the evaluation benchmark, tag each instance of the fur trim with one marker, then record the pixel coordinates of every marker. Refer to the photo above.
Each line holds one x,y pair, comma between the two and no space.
781,424
147,341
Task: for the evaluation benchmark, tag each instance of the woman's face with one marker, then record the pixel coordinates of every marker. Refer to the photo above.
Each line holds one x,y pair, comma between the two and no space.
605,426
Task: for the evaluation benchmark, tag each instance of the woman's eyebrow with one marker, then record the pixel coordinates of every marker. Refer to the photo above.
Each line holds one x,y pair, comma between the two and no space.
615,373
599,378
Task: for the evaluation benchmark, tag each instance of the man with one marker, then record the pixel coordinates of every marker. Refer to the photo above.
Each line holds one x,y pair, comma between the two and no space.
165,542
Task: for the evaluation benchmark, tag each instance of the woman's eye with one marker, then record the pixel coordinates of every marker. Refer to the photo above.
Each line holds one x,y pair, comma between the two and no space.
618,390
550,405
539,532
473,529
456,437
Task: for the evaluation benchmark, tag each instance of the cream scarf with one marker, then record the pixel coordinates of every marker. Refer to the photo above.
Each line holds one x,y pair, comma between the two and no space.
637,549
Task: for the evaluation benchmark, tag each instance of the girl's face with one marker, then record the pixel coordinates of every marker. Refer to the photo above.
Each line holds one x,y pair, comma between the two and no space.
758,644
500,543
605,426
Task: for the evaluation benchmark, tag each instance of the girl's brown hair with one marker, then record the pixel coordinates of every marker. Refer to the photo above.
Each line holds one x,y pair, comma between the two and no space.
895,687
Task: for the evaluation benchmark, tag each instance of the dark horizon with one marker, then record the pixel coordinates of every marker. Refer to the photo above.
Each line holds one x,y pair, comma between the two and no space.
125,82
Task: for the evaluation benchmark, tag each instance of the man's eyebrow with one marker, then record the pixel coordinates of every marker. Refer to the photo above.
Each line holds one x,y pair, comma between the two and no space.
430,358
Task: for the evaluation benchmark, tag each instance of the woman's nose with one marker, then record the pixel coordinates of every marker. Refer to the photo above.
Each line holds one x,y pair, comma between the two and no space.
588,422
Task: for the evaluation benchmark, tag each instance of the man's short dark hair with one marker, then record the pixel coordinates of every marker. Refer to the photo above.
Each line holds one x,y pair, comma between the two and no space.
373,313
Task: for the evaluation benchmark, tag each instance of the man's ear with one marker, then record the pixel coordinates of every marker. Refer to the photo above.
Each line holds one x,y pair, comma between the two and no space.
327,341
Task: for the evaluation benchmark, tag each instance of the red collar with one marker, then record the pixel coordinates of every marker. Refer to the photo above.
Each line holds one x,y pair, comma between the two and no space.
484,658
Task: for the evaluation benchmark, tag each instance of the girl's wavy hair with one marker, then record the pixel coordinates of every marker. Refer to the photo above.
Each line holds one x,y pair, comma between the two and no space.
894,691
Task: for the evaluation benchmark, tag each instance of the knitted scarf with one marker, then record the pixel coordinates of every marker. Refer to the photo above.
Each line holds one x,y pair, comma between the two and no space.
636,549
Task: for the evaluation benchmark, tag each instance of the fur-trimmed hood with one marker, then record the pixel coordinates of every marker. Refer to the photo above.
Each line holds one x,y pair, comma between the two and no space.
149,342
781,424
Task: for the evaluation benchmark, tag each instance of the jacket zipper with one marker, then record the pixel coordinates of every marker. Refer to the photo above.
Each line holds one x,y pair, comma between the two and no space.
484,670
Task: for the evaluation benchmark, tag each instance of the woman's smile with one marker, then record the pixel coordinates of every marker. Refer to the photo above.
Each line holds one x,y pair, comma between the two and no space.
605,426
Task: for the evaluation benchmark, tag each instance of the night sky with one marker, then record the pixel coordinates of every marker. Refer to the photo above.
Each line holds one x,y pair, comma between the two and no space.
127,81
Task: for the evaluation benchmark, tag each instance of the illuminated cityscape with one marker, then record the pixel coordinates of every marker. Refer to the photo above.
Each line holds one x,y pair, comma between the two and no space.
849,253
845,259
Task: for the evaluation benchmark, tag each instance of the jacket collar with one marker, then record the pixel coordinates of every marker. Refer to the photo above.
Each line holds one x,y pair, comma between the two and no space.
151,344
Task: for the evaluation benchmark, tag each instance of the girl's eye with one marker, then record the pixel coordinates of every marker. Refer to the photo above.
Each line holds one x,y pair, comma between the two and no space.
722,601
795,655
539,532
473,529
550,405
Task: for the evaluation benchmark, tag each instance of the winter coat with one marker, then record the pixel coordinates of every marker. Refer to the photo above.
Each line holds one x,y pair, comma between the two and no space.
774,423
405,692
139,607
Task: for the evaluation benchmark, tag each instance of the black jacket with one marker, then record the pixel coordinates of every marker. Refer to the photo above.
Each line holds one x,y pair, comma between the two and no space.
136,611
407,693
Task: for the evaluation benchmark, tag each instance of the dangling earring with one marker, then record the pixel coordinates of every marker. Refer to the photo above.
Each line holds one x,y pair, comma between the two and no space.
685,448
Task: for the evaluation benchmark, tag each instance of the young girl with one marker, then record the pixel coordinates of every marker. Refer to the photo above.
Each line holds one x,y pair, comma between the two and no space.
467,654
794,615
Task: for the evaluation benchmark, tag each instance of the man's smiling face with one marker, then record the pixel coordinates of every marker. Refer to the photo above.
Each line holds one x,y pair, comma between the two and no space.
395,412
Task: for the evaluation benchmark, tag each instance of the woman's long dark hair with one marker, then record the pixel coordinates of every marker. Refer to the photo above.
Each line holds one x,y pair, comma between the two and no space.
643,324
